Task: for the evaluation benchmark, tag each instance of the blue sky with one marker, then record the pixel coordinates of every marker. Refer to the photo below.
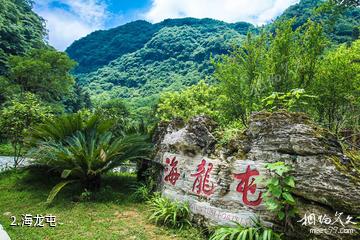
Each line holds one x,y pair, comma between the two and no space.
69,20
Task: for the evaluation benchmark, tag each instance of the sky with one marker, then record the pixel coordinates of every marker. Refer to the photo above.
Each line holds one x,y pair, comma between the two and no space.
69,20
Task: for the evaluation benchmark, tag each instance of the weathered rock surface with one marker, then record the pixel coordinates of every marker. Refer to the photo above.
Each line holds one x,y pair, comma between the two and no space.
218,182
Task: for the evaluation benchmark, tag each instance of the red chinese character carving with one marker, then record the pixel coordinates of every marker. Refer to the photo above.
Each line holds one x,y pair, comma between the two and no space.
173,174
201,182
245,186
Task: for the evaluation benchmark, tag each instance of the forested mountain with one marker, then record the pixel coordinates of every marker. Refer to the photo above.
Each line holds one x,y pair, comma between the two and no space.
20,29
177,55
100,47
29,66
340,24
140,59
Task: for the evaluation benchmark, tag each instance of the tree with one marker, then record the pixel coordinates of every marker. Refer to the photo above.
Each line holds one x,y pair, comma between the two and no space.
45,72
294,101
78,99
81,149
20,29
339,19
337,86
346,3
272,64
195,100
8,89
17,117
281,60
117,111
113,109
311,45
242,77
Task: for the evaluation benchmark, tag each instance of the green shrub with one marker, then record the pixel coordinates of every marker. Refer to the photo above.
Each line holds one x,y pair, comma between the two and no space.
239,232
230,132
17,117
294,100
6,149
192,101
142,193
82,149
170,213
279,195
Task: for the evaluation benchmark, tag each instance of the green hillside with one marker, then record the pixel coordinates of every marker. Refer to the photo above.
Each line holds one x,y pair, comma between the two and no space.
177,55
340,24
101,47
20,30
139,60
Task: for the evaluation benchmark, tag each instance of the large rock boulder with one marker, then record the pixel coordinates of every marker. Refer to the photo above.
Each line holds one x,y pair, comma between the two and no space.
219,181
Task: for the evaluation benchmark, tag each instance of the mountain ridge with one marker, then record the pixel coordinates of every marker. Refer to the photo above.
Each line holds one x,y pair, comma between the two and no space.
176,56
140,30
139,60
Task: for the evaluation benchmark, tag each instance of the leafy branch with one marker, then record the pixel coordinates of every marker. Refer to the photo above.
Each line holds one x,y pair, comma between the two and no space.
278,197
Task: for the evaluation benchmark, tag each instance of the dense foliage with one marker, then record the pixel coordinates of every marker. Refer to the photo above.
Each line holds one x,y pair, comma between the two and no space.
263,64
195,100
34,77
296,70
43,72
17,118
81,149
279,195
175,57
339,18
307,60
337,87
101,47
20,29
175,53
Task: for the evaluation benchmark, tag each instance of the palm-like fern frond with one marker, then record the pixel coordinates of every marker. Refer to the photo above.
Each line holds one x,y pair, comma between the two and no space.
83,149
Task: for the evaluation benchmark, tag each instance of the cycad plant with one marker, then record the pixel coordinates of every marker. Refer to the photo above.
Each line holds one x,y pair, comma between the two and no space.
81,149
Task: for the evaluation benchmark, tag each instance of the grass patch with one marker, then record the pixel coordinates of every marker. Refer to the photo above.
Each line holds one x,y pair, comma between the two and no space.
110,214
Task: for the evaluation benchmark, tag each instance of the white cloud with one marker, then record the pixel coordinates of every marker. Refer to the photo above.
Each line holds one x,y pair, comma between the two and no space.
89,11
71,20
255,11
